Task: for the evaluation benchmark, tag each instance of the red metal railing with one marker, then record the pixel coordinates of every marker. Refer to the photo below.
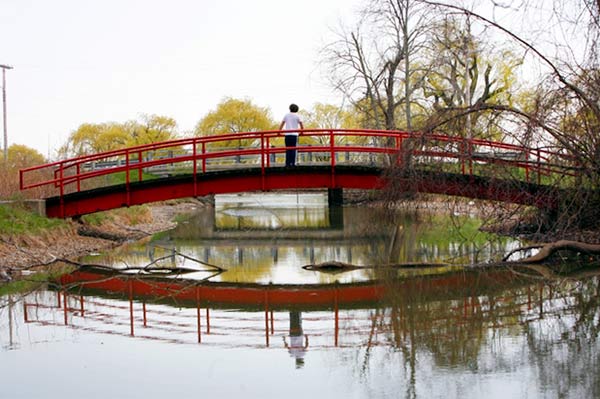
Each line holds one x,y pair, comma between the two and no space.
318,147
329,327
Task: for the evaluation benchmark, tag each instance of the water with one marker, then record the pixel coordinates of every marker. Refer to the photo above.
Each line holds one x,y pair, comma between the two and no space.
266,327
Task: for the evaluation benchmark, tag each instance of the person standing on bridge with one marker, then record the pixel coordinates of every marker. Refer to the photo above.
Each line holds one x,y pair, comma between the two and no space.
291,121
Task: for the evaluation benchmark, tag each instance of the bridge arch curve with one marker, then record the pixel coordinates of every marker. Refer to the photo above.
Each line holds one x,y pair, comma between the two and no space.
329,159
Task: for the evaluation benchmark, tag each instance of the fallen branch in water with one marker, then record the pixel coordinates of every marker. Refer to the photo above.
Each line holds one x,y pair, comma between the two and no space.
149,269
548,249
219,268
335,266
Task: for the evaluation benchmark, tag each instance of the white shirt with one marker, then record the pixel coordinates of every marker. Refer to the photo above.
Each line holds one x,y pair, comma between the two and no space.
292,122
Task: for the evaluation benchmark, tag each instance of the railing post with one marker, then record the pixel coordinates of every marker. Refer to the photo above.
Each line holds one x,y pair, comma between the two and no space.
203,157
198,319
65,307
270,154
332,148
262,153
127,178
262,160
139,165
207,320
62,190
78,180
195,168
144,313
131,330
399,143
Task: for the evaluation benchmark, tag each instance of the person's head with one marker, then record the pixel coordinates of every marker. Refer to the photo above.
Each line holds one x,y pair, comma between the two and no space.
293,108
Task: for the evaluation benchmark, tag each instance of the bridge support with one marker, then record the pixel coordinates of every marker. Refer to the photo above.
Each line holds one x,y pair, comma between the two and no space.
208,199
335,197
336,217
335,200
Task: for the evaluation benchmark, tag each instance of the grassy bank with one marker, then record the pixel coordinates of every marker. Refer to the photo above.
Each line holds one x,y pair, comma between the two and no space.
15,220
32,242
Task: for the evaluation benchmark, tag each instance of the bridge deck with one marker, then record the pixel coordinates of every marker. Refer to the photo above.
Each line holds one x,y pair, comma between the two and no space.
331,159
301,177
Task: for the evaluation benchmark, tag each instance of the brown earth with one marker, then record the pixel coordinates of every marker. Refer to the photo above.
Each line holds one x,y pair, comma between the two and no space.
18,253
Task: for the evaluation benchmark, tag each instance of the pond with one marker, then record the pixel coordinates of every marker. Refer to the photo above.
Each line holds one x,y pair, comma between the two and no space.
224,306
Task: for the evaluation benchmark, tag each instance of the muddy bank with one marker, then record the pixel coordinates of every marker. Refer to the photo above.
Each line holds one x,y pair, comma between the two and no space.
78,238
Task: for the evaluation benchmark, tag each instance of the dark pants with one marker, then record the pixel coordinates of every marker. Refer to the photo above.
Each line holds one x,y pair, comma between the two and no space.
290,155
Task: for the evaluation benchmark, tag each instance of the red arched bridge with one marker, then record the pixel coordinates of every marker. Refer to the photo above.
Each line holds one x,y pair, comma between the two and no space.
332,159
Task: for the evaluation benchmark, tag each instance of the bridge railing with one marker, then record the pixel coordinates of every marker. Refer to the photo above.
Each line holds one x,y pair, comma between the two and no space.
264,150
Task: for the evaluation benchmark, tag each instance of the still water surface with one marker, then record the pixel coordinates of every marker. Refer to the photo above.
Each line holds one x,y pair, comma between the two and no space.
267,327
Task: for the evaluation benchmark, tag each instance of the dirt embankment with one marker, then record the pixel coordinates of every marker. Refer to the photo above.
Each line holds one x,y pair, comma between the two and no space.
76,239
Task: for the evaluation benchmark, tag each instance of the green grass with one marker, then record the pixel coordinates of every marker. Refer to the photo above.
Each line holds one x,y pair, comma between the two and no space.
134,215
95,219
463,228
16,220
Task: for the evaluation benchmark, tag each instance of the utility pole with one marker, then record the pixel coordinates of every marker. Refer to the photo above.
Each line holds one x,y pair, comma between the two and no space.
4,68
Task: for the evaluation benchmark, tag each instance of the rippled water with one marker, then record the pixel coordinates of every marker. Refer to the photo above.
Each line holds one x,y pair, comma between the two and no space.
266,327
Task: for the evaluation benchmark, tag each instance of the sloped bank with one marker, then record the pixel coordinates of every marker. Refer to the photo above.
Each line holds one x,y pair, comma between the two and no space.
25,247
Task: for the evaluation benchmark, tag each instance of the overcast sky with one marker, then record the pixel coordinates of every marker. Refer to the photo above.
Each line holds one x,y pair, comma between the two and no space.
78,61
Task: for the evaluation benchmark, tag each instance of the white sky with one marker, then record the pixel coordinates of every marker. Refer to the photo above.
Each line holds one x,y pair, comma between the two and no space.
84,61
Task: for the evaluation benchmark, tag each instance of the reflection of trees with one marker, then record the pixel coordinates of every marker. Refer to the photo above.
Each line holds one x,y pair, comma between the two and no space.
424,236
565,347
480,329
452,330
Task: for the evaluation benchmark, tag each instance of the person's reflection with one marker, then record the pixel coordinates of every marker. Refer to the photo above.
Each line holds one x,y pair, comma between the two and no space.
298,344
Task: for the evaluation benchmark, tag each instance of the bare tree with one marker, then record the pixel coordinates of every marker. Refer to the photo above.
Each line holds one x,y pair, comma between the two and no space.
466,75
566,104
375,63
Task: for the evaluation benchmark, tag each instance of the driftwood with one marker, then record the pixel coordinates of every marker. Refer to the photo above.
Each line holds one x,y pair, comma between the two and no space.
548,249
87,231
338,267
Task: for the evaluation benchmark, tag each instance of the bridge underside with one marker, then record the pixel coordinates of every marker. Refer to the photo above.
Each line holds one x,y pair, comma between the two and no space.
301,177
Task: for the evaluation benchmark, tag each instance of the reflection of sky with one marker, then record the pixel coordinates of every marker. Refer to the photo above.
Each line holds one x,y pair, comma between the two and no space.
271,211
271,200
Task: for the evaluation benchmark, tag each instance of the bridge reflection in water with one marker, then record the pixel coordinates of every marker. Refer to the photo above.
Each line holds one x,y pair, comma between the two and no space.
266,299
438,331
429,310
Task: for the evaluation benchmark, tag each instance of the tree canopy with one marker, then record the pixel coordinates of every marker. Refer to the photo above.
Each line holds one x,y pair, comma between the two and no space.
20,156
90,138
235,116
